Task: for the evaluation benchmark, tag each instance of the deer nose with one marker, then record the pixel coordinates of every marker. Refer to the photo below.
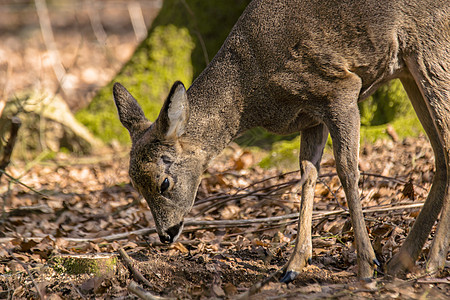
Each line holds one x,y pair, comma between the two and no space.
171,234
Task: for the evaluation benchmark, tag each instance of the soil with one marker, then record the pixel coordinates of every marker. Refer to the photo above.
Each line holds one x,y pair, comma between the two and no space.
79,205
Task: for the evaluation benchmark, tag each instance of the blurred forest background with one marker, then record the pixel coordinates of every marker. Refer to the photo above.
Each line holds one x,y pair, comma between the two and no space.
59,58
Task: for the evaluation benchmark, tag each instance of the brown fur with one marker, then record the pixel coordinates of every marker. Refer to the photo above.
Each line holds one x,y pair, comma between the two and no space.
303,65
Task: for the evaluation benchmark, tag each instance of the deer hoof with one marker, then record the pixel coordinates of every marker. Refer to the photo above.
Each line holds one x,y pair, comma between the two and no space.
289,276
377,263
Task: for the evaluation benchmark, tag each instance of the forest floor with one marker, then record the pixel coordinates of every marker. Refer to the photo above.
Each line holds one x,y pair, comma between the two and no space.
68,206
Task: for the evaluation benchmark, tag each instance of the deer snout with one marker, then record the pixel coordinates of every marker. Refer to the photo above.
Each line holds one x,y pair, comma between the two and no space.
171,234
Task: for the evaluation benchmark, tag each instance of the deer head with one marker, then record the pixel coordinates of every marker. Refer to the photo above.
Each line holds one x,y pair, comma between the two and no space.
165,166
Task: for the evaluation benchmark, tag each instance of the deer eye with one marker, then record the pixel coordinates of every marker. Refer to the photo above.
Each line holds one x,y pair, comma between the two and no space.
164,185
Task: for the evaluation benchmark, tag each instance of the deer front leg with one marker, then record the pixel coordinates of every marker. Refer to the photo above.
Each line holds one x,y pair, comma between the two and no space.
343,122
311,148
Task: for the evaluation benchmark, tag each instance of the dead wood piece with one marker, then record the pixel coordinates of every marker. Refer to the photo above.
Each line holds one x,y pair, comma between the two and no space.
129,264
33,209
15,125
2,105
47,124
434,281
143,294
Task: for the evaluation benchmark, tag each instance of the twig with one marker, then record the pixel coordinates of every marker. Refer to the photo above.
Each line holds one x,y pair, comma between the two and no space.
143,294
26,269
229,223
21,183
77,290
391,179
332,192
128,263
220,200
215,197
255,192
28,210
434,281
6,159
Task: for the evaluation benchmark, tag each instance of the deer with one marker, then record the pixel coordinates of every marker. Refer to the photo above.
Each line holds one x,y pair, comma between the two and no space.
302,66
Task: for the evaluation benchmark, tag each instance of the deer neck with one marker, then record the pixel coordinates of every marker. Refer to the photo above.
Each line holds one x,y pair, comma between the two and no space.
217,100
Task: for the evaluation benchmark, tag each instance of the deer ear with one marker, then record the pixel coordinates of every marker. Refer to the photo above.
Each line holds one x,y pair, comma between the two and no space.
131,114
174,114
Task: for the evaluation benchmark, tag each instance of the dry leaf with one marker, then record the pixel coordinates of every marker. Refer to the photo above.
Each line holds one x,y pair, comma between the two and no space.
408,190
178,246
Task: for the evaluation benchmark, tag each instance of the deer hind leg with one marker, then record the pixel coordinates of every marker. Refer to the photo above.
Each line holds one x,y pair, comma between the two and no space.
311,149
433,79
405,258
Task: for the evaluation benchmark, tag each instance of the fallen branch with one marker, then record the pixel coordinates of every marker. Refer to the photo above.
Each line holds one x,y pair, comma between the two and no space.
137,20
434,281
221,199
143,294
129,264
228,223
32,209
96,22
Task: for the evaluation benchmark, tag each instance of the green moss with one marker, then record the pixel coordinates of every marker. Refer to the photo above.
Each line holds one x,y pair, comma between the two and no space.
284,155
404,127
84,264
387,104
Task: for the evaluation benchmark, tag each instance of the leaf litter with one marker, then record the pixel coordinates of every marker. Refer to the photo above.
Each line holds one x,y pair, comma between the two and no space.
87,205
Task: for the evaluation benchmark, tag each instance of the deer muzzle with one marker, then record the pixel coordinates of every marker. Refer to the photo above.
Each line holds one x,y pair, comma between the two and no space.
171,234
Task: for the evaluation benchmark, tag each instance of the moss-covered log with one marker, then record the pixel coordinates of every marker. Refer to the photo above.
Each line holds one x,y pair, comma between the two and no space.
98,264
183,38
48,126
